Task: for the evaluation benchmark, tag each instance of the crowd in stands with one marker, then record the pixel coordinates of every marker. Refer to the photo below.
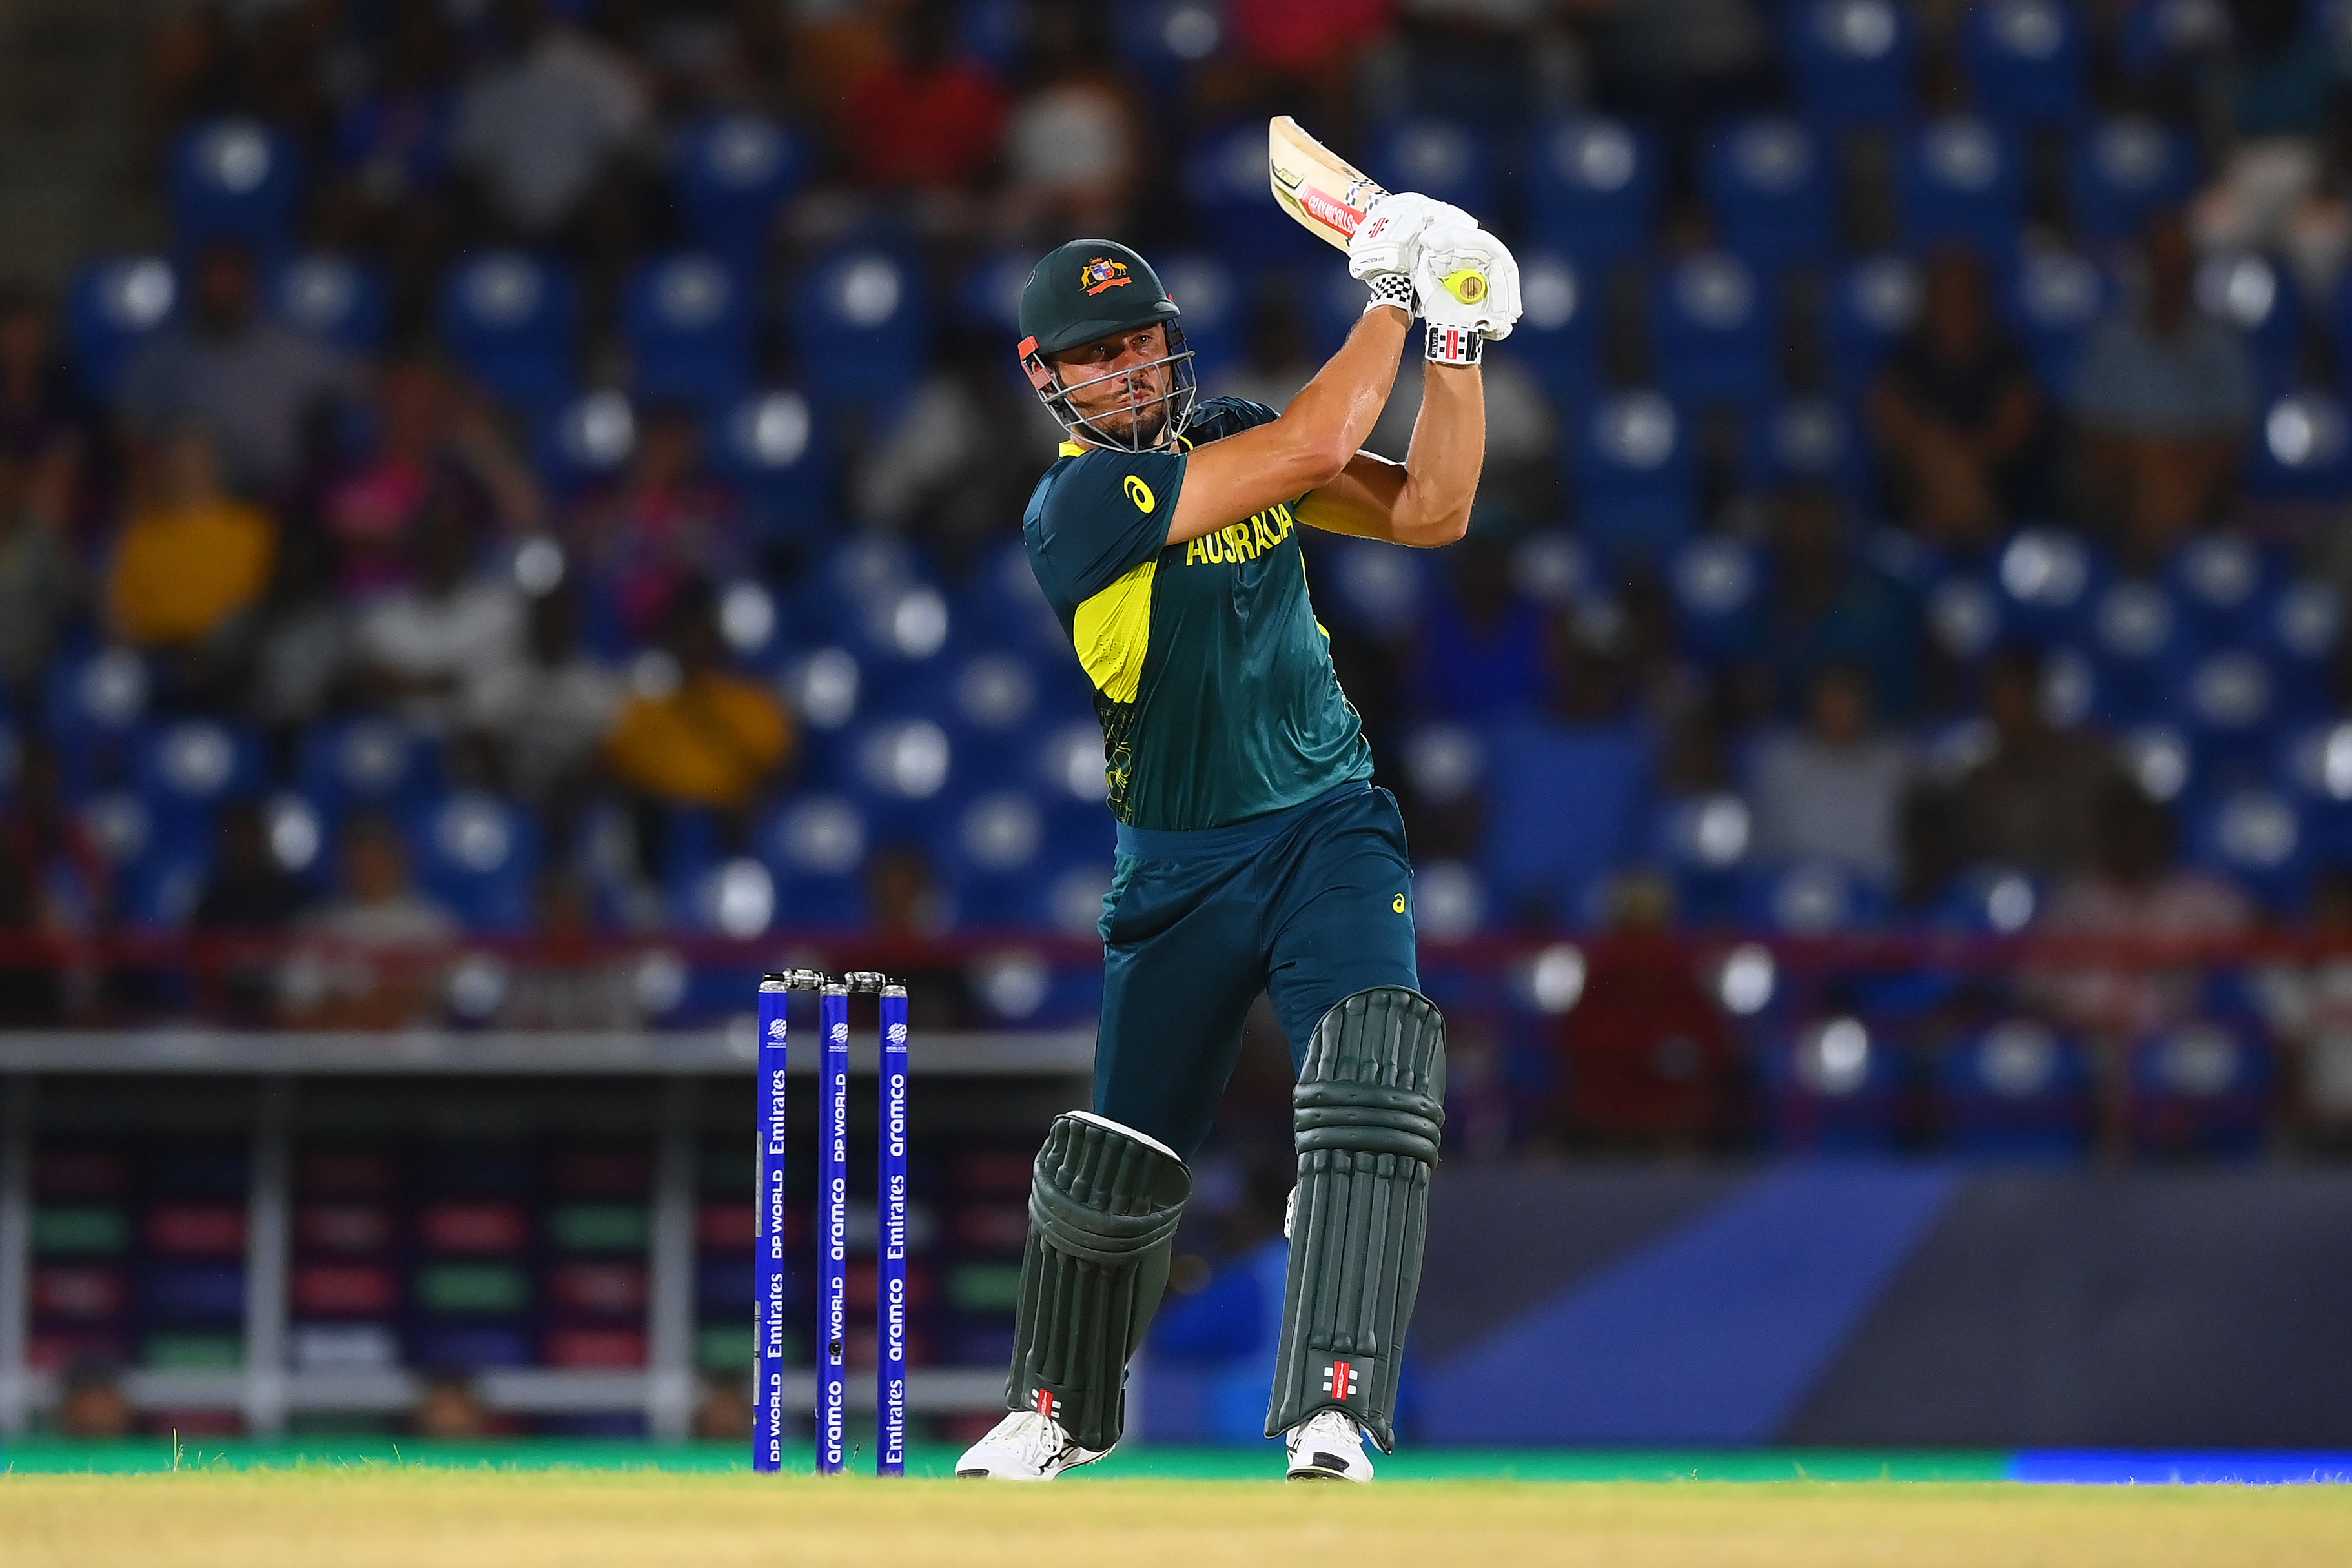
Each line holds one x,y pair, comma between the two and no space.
562,470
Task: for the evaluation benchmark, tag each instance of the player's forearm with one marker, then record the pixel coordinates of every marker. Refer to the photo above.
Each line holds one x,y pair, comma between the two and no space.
1447,454
1331,417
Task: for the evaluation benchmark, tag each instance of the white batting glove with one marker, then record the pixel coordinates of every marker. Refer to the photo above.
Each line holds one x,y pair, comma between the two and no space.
1467,283
1388,240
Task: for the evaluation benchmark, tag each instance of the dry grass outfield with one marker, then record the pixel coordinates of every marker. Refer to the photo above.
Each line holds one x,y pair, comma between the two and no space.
445,1519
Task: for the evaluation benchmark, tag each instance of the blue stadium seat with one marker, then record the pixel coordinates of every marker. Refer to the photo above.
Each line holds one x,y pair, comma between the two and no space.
1963,181
1987,901
994,849
987,294
2253,293
768,445
1635,475
689,321
1225,182
2301,449
91,704
2225,702
1810,440
2056,298
334,299
1002,606
511,319
478,854
186,768
117,304
1539,855
1769,184
1810,899
158,872
902,770
1832,1086
2140,642
1593,188
2302,627
1719,589
2026,60
2202,1088
2125,169
586,439
860,320
1965,616
1875,303
2163,34
2048,579
234,179
1442,159
816,844
1853,60
1705,842
732,173
1216,311
1559,336
370,763
2018,1090
1714,328
2255,837
2220,580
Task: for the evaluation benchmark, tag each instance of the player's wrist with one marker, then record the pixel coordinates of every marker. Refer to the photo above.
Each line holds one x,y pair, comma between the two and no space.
1460,347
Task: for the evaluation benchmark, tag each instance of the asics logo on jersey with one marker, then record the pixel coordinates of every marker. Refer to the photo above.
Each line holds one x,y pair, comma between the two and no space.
1140,493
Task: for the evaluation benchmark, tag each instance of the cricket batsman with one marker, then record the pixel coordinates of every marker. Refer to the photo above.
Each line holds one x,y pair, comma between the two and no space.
1253,853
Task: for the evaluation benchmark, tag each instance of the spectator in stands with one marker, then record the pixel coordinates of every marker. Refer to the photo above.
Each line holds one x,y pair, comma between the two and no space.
571,982
43,422
373,953
693,734
2033,804
192,558
1482,653
248,893
1073,147
421,647
548,125
2269,193
41,582
665,526
1956,411
431,433
924,117
952,467
300,648
2164,401
1832,790
391,146
2132,888
244,379
546,710
1829,604
53,882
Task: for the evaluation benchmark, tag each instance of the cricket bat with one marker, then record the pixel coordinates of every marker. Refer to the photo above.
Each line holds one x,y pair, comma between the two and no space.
1328,194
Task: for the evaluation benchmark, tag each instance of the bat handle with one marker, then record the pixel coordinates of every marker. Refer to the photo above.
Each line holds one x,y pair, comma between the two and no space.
1467,286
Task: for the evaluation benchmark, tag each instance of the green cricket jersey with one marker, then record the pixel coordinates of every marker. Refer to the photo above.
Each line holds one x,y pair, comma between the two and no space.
1212,678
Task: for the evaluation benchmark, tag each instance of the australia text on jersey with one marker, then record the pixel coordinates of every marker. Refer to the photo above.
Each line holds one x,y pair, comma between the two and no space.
1242,541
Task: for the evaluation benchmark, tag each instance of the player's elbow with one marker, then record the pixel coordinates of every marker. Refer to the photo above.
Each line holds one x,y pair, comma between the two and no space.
1448,530
1321,460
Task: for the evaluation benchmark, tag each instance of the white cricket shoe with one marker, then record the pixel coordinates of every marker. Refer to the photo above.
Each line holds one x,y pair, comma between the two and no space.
1328,1447
1023,1446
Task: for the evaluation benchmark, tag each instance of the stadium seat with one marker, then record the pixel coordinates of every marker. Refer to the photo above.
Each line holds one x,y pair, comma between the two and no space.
186,768
1964,616
1810,440
816,843
1715,330
1853,60
2221,581
1704,842
478,854
2161,35
2249,291
1718,585
1440,158
2202,1088
732,173
1962,182
2026,60
1634,476
1559,336
1216,312
768,445
586,439
510,320
2047,578
995,850
1226,183
2124,170
2225,703
2254,836
2302,626
91,702
1593,187
1832,1086
987,294
2056,298
117,304
2301,448
2140,642
1810,899
1538,857
334,299
859,317
1987,901
371,763
234,179
1875,303
2018,1090
689,323
1769,184
900,770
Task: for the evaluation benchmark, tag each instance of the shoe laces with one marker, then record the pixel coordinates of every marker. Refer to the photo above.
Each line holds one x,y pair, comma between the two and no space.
1327,1426
1039,1439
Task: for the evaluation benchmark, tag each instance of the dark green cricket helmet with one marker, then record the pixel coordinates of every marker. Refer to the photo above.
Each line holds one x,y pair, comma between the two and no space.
1091,289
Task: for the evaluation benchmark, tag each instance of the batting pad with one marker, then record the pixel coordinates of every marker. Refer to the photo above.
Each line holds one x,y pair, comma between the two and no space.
1104,1201
1368,1112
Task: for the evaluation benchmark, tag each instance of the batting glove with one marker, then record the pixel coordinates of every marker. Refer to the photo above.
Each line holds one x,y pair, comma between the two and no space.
1387,241
1469,286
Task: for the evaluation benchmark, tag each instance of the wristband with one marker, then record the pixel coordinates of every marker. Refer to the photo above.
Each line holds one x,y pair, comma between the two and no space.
1390,289
1453,345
